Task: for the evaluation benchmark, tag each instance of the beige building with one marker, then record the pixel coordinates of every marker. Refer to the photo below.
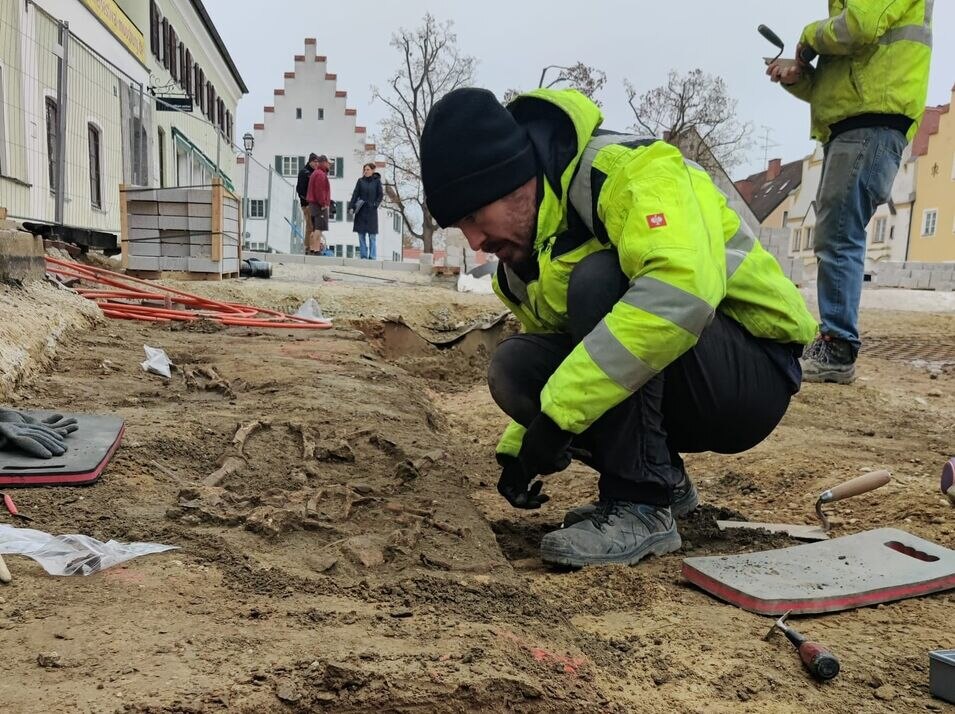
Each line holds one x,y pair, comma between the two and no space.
190,69
932,237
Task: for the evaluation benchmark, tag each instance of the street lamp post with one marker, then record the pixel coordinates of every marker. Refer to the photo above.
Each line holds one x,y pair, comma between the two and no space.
248,142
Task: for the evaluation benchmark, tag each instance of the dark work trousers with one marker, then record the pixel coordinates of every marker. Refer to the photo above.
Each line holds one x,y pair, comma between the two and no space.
725,395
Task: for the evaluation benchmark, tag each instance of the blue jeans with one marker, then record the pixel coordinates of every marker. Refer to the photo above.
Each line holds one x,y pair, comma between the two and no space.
857,175
369,248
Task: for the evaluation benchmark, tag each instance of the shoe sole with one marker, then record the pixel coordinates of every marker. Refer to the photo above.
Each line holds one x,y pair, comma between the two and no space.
680,509
831,377
659,544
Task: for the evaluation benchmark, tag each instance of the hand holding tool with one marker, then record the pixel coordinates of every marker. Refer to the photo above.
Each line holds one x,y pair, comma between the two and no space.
821,663
517,487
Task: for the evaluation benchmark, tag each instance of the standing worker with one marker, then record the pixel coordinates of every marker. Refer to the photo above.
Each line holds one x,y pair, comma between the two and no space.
365,200
654,322
301,188
319,199
867,95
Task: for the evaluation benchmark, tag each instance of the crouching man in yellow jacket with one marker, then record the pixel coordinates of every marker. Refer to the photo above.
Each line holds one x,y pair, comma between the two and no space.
654,323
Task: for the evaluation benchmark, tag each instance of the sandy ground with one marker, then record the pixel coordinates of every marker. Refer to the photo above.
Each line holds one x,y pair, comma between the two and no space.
361,560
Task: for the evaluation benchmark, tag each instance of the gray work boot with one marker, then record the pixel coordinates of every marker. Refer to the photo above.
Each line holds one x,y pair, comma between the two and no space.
685,501
616,532
828,359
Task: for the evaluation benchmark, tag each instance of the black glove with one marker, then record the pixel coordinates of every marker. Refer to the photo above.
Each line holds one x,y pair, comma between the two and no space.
515,485
60,424
546,448
35,439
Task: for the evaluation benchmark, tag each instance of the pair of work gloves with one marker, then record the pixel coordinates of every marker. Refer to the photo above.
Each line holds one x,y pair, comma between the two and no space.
546,449
42,439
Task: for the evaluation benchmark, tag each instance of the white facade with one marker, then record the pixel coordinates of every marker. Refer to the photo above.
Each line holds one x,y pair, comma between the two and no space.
104,121
188,61
887,232
310,115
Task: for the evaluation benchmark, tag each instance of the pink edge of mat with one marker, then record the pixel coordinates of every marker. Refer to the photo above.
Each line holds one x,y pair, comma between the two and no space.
814,605
75,479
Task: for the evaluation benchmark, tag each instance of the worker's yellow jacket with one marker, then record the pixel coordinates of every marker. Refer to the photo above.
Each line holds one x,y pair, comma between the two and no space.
687,254
874,58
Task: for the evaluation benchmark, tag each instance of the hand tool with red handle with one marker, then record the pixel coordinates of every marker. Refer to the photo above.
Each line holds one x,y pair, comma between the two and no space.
820,662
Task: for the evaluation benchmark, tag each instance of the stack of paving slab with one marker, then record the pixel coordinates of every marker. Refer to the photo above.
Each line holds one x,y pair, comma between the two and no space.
776,242
190,233
916,276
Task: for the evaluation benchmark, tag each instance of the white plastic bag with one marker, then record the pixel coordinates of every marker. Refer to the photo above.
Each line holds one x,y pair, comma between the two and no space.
157,362
71,554
311,310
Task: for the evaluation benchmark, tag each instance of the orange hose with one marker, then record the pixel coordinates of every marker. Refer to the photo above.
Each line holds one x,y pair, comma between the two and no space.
225,313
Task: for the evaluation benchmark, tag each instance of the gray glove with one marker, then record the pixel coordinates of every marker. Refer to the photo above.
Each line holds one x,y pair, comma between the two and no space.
35,439
57,422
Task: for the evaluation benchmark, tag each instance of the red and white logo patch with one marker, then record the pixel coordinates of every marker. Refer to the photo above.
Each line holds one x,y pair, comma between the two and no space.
657,220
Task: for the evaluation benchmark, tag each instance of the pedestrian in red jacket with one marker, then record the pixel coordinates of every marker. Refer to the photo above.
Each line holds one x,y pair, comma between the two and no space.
319,198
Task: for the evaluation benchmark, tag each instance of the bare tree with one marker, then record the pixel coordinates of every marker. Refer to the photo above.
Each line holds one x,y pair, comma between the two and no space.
431,66
695,113
585,79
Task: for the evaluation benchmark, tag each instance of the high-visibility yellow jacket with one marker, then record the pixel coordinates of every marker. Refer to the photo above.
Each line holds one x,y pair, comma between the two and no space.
874,58
687,254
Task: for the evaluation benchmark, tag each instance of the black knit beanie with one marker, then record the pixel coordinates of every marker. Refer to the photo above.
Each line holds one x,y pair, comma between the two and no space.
472,153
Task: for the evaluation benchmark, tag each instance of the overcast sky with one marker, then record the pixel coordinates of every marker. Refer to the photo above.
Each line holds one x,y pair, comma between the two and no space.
514,39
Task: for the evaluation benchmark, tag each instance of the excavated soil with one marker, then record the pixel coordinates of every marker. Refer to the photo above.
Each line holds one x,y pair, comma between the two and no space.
358,558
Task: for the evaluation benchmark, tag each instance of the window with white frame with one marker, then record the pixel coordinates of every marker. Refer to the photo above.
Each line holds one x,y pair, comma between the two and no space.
929,219
51,132
796,242
3,133
878,230
807,239
96,174
289,166
257,207
339,211
321,113
396,221
298,112
336,167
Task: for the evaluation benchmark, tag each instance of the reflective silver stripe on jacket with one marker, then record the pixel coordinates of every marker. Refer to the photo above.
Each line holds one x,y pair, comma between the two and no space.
910,33
670,303
517,286
581,187
619,363
737,248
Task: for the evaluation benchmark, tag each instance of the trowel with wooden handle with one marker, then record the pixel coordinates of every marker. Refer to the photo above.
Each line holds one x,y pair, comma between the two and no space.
854,487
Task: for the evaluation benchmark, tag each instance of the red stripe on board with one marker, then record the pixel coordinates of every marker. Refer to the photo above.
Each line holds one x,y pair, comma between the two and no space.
814,605
77,479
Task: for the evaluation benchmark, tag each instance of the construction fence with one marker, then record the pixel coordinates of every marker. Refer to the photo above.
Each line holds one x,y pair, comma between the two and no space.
74,128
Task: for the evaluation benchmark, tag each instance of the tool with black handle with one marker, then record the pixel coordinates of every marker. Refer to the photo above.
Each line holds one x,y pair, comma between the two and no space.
806,54
821,663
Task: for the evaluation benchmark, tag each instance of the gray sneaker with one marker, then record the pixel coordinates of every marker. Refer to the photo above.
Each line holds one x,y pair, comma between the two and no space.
686,499
828,359
616,532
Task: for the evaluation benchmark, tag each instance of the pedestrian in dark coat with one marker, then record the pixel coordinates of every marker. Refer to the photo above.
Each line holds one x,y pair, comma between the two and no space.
301,188
365,200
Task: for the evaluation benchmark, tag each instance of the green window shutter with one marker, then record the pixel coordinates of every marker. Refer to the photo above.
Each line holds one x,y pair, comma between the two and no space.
301,163
339,211
278,164
339,167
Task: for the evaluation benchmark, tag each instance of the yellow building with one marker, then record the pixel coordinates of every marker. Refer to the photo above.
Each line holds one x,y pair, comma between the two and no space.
932,232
